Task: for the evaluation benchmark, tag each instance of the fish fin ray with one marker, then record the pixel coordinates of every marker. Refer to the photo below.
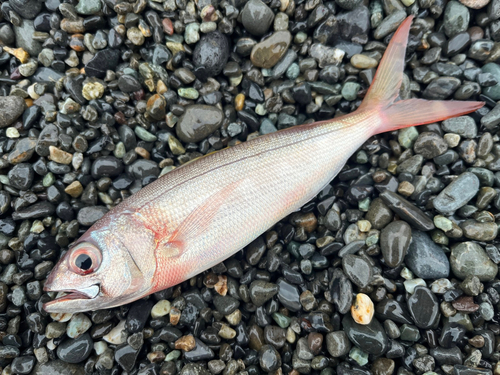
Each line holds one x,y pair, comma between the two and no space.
197,222
389,76
382,95
412,112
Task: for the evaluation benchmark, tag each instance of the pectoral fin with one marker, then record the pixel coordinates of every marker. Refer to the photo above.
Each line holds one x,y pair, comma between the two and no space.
197,222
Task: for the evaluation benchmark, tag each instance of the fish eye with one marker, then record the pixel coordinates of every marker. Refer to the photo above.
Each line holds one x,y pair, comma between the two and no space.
84,262
84,259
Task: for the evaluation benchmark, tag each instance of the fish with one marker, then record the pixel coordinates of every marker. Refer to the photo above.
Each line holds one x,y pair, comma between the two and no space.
201,213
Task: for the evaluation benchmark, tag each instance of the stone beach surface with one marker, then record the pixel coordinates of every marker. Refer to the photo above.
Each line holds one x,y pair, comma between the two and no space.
391,269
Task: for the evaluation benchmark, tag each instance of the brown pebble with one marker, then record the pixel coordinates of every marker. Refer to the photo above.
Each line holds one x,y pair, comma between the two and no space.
221,286
304,220
477,341
156,357
19,53
186,343
120,118
315,341
239,102
74,189
210,280
142,152
362,309
465,303
175,316
379,176
72,26
475,33
76,43
60,156
475,4
383,366
168,27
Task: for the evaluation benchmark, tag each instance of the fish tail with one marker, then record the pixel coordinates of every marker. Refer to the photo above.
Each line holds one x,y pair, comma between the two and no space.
382,96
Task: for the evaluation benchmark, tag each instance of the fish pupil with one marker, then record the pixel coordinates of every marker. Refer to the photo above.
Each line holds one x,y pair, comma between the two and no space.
83,262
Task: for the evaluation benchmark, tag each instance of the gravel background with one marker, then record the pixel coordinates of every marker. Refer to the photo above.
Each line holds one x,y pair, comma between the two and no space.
99,98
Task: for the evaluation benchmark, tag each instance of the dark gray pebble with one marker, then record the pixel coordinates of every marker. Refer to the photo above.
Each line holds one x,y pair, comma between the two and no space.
425,258
75,350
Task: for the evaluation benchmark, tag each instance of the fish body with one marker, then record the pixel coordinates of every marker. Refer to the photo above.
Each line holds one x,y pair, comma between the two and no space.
203,212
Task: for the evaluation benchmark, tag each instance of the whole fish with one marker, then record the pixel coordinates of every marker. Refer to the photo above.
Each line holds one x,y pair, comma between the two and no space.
203,212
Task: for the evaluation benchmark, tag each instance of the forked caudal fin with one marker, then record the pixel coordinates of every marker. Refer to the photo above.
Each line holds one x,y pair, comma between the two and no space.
383,93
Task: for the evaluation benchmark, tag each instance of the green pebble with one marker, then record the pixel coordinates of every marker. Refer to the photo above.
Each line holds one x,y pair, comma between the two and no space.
407,137
293,71
362,157
359,356
439,237
88,7
4,179
144,134
300,37
282,320
37,227
267,72
492,91
260,109
119,150
364,204
443,223
191,35
350,91
188,93
176,146
372,240
173,355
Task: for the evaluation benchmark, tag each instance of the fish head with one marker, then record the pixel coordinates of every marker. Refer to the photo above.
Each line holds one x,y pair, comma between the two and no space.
97,272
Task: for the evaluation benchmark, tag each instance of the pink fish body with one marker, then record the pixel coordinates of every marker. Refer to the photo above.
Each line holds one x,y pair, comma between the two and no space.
203,212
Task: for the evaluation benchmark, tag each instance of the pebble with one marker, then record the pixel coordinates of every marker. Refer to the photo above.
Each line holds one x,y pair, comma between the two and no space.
362,309
197,122
395,240
425,258
456,18
370,338
407,211
75,350
337,344
257,17
465,126
11,107
424,307
457,194
357,269
268,52
211,53
470,259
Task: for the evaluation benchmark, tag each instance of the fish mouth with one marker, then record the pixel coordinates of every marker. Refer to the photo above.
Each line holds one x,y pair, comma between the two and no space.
88,293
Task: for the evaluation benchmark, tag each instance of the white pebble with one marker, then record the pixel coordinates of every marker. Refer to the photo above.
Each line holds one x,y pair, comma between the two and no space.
441,286
161,308
12,133
100,347
410,285
117,335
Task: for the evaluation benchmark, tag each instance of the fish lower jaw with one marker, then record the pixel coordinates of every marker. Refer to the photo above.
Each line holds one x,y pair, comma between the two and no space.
70,296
